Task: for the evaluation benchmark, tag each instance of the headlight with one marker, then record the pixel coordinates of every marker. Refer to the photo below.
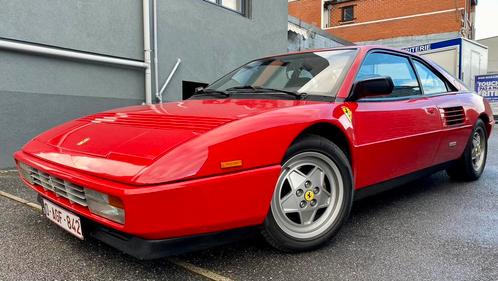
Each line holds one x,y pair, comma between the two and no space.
104,205
25,172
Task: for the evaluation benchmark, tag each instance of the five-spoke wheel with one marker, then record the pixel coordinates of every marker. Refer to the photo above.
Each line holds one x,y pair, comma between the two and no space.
471,164
308,195
478,149
312,196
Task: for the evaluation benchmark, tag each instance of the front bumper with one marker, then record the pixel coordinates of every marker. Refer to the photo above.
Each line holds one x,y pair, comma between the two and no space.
173,210
147,249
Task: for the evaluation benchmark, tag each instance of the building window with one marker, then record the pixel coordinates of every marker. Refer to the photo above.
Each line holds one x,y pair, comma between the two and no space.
327,15
347,13
239,6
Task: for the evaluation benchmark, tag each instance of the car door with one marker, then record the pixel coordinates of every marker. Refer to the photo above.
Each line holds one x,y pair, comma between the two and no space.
455,130
397,134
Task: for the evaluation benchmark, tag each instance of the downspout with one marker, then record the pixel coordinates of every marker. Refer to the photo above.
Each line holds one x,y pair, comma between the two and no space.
154,39
147,51
158,92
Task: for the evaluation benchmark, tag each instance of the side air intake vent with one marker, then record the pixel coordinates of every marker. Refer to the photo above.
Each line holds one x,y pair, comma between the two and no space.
453,116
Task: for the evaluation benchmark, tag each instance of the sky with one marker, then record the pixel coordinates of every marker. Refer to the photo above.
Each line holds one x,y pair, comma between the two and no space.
487,19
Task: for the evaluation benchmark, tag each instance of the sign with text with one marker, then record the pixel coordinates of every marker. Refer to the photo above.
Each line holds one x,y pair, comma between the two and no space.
418,49
487,87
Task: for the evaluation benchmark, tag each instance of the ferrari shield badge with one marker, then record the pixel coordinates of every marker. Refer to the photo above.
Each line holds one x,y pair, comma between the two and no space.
309,195
347,112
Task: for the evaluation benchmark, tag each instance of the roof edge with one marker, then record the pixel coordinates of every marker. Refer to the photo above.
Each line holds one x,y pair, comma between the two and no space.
313,28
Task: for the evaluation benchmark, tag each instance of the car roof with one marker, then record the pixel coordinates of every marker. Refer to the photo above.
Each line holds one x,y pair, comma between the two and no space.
364,48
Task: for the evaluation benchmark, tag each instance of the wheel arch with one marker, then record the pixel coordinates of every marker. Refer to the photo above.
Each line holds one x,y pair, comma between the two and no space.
485,118
331,132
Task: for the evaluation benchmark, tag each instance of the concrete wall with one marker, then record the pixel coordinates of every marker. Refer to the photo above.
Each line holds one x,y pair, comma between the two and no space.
112,27
39,92
212,41
492,44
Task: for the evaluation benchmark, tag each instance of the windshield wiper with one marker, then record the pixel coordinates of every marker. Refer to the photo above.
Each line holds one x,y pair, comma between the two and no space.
209,91
264,89
247,87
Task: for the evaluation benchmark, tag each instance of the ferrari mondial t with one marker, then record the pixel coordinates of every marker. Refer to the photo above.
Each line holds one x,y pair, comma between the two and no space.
282,145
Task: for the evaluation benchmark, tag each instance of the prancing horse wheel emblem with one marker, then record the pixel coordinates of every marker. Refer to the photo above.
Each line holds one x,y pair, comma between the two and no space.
309,195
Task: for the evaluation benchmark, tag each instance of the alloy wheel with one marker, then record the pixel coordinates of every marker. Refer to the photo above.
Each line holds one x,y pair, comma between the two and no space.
308,196
478,149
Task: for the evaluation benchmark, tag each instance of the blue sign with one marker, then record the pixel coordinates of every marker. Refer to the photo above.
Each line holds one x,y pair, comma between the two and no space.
433,46
418,49
487,86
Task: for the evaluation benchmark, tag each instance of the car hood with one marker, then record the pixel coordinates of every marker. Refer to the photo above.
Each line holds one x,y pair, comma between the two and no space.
118,144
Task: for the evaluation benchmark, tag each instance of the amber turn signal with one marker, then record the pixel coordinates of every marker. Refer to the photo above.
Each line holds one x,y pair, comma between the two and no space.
231,164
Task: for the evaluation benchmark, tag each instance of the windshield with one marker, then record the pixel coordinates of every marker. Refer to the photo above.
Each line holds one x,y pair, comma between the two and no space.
314,73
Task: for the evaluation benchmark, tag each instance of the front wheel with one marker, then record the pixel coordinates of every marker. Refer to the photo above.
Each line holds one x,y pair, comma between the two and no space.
471,164
312,197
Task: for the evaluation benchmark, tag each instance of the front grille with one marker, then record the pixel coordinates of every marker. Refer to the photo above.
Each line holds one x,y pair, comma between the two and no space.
74,193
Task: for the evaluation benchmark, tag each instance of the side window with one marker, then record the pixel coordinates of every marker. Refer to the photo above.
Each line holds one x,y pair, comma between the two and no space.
397,67
431,83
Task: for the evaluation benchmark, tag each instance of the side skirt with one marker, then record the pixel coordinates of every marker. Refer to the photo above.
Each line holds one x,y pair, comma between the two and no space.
392,183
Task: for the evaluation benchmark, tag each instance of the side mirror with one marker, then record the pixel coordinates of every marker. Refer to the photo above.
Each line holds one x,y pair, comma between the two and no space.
372,87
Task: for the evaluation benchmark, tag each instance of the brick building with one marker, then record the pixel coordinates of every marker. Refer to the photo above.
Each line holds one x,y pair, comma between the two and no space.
389,22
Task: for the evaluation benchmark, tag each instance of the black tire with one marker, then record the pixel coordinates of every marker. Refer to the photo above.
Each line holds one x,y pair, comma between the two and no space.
274,234
463,169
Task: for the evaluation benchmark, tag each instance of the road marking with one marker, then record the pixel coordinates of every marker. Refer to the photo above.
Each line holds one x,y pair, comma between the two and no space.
188,266
13,197
199,270
34,206
20,200
7,171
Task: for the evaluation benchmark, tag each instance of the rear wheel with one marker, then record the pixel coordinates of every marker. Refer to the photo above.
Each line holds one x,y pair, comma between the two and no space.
312,196
471,164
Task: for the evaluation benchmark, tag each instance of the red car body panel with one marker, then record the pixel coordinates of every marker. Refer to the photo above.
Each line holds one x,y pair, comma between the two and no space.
137,155
164,161
176,209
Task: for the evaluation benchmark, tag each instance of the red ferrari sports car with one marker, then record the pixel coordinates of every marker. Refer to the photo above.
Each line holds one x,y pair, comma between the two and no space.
282,145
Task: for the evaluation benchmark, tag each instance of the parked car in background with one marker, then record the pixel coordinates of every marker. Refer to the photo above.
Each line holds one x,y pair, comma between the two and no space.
283,144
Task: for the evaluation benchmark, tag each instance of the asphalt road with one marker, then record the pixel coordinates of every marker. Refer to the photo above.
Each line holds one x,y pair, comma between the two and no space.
430,229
